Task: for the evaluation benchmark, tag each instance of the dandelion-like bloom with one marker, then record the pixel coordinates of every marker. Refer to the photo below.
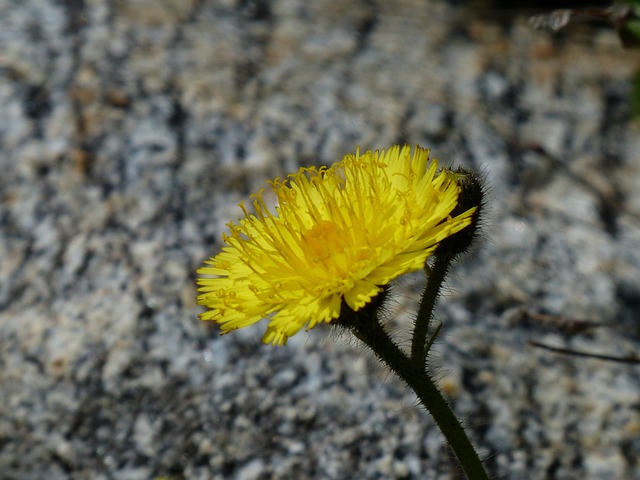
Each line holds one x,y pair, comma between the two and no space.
338,233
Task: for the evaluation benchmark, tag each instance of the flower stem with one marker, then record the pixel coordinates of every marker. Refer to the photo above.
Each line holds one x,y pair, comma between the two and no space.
373,335
435,278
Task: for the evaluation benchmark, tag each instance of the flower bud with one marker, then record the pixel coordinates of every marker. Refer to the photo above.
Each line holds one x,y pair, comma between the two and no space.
471,195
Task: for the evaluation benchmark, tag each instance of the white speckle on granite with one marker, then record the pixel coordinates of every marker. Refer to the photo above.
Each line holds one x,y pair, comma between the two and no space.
134,473
63,448
251,471
118,360
143,435
605,464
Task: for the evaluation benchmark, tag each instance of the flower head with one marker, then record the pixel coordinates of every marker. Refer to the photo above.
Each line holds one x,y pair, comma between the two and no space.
338,234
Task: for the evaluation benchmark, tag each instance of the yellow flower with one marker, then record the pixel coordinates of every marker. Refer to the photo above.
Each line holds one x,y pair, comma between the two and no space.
338,233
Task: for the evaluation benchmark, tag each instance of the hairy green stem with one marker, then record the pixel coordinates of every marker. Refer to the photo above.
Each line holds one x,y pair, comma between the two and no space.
435,278
373,335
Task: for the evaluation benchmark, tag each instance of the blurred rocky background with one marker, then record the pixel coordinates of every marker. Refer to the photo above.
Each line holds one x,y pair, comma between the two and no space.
130,130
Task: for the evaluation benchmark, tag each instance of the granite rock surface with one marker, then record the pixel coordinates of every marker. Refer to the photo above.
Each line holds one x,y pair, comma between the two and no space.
129,132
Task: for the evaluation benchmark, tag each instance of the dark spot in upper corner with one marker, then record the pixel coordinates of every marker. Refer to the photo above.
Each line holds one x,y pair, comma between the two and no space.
76,18
534,5
608,211
628,297
178,116
553,468
43,170
256,10
365,27
37,104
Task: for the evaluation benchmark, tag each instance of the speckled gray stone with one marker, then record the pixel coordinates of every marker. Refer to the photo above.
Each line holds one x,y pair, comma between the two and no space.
130,131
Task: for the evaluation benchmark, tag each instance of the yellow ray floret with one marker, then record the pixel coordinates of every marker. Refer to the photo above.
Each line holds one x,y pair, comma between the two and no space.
337,233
